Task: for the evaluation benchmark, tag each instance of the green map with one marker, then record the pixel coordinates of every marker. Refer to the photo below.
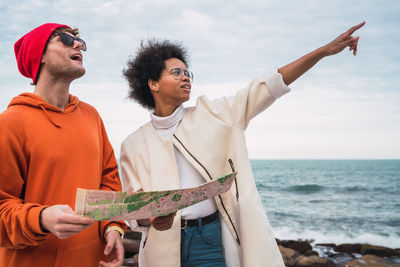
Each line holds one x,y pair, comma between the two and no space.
105,205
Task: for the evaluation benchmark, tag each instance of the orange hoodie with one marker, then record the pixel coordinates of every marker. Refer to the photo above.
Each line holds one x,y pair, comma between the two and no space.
45,155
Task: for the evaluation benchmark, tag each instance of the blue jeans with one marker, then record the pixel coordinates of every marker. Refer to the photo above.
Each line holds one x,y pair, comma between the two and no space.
201,246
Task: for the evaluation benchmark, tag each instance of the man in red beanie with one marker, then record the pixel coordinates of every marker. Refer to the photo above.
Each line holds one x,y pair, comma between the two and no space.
51,144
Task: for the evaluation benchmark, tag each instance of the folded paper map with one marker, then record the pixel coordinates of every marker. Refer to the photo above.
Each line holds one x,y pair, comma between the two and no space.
116,206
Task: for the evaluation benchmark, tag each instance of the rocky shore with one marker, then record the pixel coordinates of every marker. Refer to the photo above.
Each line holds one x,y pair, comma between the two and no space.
303,253
306,253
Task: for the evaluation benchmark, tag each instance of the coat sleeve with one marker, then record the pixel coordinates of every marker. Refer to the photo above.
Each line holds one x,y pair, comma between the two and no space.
239,109
19,221
130,179
110,178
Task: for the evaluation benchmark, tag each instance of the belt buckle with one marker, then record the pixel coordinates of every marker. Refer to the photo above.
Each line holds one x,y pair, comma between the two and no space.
185,224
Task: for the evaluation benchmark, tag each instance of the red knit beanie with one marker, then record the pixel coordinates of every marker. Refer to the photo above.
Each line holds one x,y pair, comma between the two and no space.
29,49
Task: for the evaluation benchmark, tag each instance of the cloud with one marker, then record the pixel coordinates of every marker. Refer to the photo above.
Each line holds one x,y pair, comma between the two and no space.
318,122
344,107
311,121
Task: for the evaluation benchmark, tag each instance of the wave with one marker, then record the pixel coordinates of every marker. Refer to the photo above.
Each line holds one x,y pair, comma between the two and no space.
282,215
315,188
394,222
261,186
306,188
351,189
365,189
283,233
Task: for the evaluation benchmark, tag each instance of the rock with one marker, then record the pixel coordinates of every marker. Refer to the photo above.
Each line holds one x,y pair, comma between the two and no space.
348,248
130,262
289,255
314,261
341,258
311,253
299,245
379,251
293,258
370,261
325,251
129,234
131,247
330,245
131,244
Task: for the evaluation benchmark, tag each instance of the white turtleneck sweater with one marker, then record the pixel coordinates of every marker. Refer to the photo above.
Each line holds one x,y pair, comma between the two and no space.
188,175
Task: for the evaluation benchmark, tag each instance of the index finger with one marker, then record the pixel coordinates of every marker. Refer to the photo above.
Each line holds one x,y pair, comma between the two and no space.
356,27
76,219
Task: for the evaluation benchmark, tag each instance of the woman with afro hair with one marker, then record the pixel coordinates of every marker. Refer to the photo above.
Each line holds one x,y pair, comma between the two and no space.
183,147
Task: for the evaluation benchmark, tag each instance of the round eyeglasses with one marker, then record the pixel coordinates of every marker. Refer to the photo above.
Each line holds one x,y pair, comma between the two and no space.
179,72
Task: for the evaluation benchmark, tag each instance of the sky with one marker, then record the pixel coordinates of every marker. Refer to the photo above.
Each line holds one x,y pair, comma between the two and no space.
345,107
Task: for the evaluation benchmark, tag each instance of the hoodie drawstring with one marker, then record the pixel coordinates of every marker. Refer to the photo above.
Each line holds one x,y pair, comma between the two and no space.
48,116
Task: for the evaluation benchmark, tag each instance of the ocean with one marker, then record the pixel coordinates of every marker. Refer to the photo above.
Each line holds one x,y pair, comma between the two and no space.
332,201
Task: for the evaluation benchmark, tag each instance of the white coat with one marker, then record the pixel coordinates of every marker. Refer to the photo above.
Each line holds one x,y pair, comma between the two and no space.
209,134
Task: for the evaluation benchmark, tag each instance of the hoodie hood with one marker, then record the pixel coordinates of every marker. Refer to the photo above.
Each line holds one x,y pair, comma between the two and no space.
34,101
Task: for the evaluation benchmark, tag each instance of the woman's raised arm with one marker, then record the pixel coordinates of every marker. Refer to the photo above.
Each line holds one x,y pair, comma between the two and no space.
295,69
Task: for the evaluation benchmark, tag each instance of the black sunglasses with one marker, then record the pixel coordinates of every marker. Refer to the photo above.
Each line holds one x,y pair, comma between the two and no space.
68,40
